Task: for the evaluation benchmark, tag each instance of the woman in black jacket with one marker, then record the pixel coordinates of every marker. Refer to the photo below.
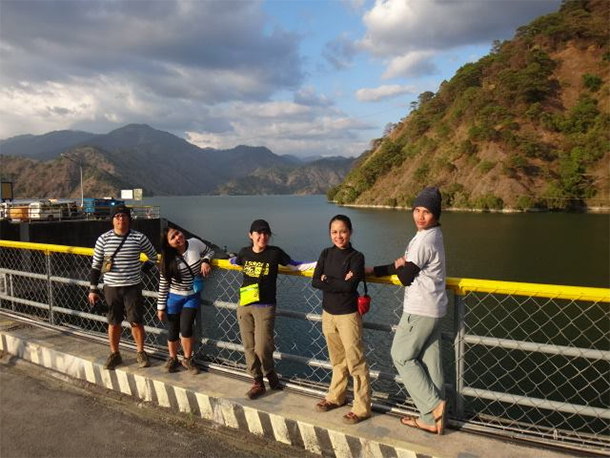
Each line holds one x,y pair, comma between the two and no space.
338,272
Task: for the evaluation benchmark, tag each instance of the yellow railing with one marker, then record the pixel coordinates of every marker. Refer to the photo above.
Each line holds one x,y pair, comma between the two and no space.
460,286
50,248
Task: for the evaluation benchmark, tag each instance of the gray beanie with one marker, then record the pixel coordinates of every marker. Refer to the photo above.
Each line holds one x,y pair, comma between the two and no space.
430,198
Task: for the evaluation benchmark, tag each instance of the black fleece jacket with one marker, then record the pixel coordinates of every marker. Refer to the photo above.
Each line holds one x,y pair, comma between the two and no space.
340,297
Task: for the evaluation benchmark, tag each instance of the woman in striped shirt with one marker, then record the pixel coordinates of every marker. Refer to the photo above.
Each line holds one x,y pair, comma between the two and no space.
183,262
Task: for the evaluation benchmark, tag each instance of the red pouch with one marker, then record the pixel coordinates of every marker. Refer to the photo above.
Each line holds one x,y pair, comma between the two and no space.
364,304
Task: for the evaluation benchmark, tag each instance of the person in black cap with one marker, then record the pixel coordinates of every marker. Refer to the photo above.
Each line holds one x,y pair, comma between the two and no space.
256,311
416,351
116,256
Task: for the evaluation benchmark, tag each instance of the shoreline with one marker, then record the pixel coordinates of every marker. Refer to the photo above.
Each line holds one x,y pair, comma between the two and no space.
593,210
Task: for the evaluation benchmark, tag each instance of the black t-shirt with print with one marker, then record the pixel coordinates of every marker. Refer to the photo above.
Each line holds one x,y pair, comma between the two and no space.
262,268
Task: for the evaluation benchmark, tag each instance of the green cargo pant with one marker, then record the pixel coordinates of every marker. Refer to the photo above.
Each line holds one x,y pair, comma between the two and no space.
416,352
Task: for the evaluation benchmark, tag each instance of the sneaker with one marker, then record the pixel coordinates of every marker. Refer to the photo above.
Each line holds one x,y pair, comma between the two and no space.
190,366
114,359
274,381
171,365
142,359
257,390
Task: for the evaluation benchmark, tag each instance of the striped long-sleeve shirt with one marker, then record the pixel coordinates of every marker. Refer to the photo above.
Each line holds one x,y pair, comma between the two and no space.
196,253
125,269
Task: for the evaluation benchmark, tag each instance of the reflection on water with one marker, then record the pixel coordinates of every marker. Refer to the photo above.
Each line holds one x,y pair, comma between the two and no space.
555,248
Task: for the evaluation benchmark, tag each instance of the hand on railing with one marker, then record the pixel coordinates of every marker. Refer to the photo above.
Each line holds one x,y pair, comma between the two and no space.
205,269
93,297
400,262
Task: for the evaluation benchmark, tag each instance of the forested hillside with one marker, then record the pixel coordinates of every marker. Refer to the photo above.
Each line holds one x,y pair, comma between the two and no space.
527,126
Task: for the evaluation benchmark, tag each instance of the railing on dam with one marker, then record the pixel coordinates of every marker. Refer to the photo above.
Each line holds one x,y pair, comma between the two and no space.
522,360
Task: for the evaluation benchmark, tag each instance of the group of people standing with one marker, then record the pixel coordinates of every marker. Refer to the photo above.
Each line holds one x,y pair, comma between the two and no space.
339,270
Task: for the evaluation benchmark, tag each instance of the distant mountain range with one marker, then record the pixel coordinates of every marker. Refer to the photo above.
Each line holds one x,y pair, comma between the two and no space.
138,156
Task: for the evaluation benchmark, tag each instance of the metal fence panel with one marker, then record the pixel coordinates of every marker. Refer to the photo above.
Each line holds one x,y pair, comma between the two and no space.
524,360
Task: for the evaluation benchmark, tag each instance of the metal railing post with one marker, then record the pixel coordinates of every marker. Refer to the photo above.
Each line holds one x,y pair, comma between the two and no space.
12,288
50,288
459,346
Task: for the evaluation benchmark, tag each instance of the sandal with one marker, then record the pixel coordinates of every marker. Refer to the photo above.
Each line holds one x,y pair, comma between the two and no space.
439,419
325,406
352,419
413,423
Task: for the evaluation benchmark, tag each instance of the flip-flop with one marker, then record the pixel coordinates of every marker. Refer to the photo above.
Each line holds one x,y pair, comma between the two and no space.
439,421
412,422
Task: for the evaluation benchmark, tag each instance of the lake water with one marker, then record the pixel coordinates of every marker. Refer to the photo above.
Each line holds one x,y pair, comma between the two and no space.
554,248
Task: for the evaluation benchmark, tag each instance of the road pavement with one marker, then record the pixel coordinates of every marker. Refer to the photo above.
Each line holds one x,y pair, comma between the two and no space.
46,414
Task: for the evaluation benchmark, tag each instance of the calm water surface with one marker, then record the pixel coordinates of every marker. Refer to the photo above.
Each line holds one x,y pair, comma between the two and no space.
555,248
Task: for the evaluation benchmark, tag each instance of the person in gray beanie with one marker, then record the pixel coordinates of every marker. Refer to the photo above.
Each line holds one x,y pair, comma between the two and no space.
416,349
430,198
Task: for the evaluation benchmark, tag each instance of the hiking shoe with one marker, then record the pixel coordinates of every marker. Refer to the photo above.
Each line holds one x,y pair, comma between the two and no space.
274,381
171,365
114,359
190,366
142,359
325,406
257,390
351,418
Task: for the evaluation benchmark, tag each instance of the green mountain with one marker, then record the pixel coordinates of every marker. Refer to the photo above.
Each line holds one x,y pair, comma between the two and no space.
138,156
312,178
526,126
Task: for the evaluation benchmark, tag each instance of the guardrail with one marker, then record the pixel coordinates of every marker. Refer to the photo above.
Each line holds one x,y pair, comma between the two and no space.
523,360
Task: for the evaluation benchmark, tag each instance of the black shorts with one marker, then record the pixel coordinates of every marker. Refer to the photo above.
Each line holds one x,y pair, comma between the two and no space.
124,300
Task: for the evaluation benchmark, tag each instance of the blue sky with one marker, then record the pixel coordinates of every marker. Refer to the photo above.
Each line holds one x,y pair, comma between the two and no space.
302,77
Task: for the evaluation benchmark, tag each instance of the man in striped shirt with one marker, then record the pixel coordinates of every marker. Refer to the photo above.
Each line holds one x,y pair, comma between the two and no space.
117,257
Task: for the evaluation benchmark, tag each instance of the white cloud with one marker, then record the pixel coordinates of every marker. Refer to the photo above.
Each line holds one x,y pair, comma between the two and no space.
170,51
383,92
412,64
407,33
97,105
288,128
309,96
340,52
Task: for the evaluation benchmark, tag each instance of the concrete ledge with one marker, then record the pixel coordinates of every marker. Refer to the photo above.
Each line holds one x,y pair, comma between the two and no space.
283,416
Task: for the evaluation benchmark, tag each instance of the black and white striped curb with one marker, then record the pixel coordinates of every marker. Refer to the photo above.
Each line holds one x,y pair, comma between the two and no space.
307,436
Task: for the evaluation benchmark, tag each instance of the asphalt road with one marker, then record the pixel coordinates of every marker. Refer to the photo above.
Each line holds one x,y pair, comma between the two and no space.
44,414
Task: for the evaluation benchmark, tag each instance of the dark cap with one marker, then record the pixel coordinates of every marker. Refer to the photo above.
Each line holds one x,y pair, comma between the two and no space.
260,225
430,198
116,209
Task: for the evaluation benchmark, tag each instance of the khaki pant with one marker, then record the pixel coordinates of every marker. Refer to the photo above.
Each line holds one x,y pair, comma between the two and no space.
256,326
346,350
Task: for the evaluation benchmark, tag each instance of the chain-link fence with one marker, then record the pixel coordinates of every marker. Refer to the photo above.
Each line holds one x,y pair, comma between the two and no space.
528,361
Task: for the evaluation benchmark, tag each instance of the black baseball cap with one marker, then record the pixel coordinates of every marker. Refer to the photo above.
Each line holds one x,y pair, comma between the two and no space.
116,209
260,225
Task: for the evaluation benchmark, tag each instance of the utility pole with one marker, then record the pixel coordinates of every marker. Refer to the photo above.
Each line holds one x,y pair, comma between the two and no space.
80,165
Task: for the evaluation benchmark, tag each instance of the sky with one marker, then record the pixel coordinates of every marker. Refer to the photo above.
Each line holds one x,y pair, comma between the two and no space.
301,77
